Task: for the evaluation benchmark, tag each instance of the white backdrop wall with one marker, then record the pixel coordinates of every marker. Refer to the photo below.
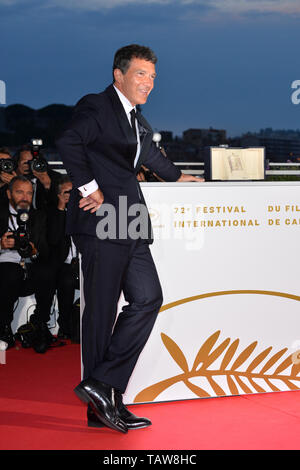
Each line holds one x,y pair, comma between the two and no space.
228,259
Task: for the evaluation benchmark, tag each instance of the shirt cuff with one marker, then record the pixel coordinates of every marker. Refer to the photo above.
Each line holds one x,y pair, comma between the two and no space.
88,188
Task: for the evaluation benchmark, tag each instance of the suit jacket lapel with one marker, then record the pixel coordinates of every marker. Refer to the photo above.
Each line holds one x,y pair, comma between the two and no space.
146,135
145,129
123,120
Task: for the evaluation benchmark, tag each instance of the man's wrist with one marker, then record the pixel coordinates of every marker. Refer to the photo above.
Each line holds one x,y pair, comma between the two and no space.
89,188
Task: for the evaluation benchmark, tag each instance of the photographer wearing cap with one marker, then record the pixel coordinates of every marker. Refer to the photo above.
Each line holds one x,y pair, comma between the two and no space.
41,176
23,263
64,258
7,171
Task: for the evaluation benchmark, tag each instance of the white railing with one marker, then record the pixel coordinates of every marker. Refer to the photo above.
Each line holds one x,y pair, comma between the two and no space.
201,164
268,171
283,172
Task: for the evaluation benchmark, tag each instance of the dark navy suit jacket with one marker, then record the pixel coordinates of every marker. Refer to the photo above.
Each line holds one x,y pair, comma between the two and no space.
100,144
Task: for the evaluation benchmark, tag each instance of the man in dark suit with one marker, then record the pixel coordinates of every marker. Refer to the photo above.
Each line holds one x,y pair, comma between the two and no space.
103,149
24,268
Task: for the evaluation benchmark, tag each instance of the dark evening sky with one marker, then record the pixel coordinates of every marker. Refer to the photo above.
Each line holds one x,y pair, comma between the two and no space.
227,64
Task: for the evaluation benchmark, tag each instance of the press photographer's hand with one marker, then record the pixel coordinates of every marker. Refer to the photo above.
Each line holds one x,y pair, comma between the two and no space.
34,249
7,177
43,177
7,241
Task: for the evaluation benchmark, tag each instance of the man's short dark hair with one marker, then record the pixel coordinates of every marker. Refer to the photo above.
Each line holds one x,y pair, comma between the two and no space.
23,148
6,151
17,178
62,180
124,55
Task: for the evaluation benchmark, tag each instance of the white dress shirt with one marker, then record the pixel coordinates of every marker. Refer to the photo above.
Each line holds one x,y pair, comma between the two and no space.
10,256
72,253
92,186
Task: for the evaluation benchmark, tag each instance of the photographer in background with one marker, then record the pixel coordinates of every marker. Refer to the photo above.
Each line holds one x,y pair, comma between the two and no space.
64,258
43,182
24,266
7,171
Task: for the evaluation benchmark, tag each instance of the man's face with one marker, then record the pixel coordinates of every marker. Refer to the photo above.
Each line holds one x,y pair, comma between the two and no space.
21,195
65,189
23,166
137,83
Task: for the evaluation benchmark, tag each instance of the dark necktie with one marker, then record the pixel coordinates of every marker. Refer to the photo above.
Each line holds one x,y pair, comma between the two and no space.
132,117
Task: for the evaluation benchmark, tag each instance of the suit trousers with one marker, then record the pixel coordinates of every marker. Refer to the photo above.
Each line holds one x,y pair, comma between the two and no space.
111,343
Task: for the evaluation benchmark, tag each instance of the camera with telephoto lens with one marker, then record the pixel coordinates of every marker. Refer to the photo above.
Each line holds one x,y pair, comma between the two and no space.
21,235
38,163
7,165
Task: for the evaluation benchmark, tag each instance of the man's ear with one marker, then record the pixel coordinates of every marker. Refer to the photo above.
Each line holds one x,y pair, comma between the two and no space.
118,76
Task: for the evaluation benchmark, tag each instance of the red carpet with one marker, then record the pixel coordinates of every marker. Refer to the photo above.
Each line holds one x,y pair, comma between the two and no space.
38,410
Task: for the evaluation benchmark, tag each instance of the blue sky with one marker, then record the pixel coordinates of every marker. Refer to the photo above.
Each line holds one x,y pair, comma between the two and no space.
223,63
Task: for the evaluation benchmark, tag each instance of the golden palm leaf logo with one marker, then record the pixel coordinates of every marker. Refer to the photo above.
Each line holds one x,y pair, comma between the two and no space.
206,357
237,375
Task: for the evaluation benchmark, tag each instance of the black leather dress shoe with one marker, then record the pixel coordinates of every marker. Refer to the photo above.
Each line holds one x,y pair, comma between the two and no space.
132,421
100,398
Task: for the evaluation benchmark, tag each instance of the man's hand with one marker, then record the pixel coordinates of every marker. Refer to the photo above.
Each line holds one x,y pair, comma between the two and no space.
7,177
188,178
7,243
43,177
92,202
34,250
140,176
